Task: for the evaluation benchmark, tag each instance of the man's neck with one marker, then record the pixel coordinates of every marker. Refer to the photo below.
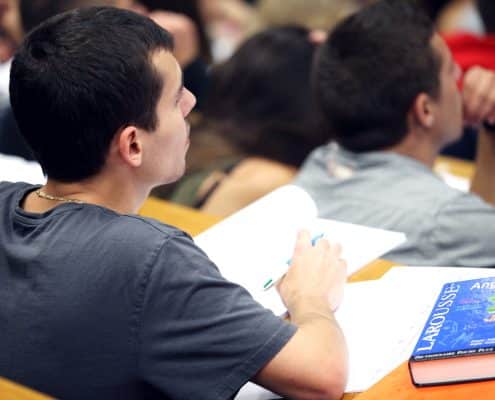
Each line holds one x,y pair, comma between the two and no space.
122,198
417,147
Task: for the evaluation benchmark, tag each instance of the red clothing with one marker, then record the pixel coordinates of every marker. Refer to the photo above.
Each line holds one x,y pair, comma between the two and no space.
469,50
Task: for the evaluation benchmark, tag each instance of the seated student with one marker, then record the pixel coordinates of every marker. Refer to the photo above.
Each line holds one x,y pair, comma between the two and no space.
258,124
192,47
387,87
99,303
467,27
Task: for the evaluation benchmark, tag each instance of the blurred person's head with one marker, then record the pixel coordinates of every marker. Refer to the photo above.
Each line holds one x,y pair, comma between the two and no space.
384,72
10,22
189,8
260,99
33,12
95,79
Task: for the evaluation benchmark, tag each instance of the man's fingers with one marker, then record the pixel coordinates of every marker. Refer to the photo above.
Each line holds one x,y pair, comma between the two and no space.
303,241
479,95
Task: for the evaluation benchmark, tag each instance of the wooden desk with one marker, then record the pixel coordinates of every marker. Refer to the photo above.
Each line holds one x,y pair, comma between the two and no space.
185,218
455,166
397,386
13,391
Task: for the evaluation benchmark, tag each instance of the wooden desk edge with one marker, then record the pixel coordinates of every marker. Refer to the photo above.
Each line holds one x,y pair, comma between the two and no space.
11,390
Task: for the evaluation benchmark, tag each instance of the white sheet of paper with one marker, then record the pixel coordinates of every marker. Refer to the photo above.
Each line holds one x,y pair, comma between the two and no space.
252,244
455,181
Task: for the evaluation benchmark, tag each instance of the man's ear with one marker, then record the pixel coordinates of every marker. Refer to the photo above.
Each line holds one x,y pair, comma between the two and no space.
130,146
423,110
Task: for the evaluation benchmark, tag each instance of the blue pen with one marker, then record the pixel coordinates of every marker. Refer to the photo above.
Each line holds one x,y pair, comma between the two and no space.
273,281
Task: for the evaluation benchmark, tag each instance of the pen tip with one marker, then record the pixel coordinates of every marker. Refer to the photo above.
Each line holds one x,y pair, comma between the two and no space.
267,284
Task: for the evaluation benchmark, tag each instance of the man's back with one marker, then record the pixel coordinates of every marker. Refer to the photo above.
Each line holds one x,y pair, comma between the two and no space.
390,191
101,305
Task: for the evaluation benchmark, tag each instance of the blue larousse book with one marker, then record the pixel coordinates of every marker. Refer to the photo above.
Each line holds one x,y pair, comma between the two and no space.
457,343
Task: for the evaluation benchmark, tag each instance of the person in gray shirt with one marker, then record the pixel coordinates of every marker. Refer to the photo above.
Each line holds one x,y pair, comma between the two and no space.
388,90
97,302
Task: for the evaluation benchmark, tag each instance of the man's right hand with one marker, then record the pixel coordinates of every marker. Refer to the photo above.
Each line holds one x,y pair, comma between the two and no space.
479,96
314,363
316,277
479,106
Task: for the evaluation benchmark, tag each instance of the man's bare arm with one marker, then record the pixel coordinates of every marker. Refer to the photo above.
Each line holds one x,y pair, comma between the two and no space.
479,106
313,364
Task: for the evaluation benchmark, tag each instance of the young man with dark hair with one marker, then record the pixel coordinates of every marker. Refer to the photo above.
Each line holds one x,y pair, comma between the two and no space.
99,303
387,87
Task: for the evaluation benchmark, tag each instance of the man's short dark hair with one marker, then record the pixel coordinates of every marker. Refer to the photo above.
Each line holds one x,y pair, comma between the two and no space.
80,77
370,70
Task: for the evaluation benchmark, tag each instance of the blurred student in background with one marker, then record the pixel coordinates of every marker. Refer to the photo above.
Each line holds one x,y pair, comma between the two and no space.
388,89
258,123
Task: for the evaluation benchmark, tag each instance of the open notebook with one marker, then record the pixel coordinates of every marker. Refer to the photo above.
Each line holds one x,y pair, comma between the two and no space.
259,239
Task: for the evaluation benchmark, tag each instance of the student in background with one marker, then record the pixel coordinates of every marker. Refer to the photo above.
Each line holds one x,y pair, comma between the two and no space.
183,19
10,36
258,124
467,27
189,8
99,303
386,84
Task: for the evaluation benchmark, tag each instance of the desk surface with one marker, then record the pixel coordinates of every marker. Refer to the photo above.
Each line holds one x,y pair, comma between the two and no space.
460,168
13,391
397,386
187,219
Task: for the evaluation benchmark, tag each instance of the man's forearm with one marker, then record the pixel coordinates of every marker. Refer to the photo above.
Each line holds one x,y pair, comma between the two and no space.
314,364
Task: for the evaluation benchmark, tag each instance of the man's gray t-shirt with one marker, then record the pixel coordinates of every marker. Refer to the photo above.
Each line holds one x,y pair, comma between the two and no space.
444,226
98,305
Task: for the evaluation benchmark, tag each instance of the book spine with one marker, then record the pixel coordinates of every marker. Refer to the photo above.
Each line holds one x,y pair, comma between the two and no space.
450,354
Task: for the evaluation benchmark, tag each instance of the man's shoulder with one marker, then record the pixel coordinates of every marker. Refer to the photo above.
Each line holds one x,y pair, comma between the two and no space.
150,225
10,190
127,227
9,187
